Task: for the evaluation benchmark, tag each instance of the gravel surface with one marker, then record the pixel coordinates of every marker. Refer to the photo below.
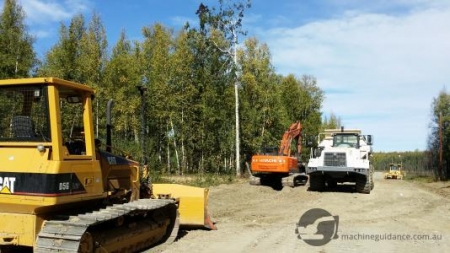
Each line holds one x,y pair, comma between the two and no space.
397,216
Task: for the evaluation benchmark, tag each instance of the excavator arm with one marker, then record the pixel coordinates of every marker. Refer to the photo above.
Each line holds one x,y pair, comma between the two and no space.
294,131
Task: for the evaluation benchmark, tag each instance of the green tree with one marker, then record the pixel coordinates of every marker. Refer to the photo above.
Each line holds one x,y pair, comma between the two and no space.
303,100
122,74
440,135
211,69
93,53
17,56
182,85
333,122
311,101
156,71
91,63
62,60
263,117
227,22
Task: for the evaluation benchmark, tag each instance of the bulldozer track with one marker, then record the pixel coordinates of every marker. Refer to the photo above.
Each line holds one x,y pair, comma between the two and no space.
74,234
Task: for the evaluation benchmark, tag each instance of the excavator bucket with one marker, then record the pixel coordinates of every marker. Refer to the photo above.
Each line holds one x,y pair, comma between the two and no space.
193,204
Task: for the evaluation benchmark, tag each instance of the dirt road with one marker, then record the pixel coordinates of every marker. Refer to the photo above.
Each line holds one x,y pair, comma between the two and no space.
398,216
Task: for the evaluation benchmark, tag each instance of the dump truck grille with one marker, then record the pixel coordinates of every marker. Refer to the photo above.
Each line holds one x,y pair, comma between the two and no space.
335,159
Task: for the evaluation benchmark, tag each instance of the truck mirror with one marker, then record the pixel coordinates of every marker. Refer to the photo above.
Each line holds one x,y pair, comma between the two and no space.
369,140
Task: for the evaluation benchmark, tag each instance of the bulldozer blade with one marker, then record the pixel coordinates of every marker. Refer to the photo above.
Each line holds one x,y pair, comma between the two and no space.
193,204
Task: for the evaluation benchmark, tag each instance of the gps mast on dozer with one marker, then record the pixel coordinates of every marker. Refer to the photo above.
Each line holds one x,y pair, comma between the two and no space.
61,193
270,168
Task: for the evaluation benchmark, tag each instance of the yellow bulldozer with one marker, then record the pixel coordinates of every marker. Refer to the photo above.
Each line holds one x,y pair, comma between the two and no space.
60,191
395,171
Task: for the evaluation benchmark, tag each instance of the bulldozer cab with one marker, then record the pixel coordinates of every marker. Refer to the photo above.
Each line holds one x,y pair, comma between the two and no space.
55,116
51,171
394,167
24,114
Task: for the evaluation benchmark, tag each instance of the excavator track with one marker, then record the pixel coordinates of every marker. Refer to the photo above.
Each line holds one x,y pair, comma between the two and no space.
294,179
254,180
128,227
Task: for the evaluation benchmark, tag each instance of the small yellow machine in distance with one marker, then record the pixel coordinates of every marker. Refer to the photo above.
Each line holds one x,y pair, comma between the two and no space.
395,172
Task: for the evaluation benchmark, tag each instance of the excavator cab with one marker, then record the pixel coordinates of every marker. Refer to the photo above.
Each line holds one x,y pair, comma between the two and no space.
269,151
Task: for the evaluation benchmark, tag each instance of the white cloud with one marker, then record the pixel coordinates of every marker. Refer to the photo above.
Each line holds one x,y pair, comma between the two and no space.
43,12
393,65
50,11
41,33
44,16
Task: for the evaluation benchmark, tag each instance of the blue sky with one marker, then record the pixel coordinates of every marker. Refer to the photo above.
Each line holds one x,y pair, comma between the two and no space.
380,62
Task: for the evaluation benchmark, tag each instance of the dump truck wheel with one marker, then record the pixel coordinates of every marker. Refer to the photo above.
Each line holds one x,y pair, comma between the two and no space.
316,182
372,183
363,185
332,183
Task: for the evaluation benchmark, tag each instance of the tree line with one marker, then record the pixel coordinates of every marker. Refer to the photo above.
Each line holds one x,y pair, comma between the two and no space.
438,144
184,80
435,160
188,86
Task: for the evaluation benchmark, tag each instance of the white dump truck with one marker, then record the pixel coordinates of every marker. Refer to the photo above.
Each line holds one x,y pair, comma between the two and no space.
342,155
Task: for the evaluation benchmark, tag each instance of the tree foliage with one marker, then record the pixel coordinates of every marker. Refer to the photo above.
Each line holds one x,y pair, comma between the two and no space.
439,136
263,116
17,56
63,59
331,122
188,83
121,76
413,162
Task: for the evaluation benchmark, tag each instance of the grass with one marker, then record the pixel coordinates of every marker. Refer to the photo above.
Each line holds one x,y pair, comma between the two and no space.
200,180
419,178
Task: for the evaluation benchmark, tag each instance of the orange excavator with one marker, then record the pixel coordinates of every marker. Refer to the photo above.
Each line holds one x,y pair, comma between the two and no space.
280,167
